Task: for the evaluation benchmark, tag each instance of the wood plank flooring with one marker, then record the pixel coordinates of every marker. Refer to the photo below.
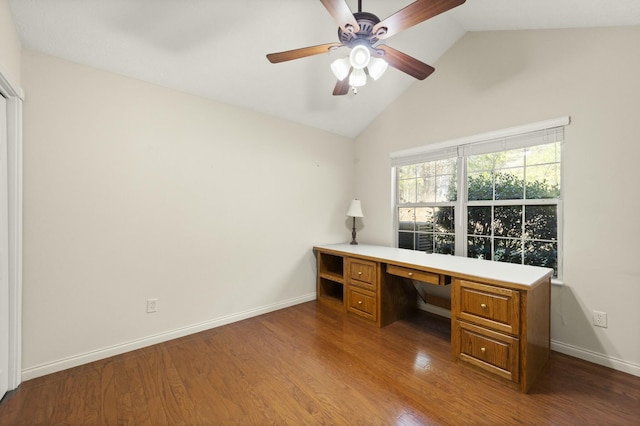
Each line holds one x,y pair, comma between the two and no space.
308,365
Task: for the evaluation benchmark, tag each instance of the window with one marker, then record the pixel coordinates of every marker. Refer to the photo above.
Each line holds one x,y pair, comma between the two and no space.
427,195
512,205
495,198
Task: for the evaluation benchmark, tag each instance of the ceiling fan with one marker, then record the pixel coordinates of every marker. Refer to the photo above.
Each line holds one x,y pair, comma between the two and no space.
365,34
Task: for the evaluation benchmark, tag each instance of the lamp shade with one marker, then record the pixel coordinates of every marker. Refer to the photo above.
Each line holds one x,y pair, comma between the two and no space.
358,78
340,68
355,209
377,67
359,57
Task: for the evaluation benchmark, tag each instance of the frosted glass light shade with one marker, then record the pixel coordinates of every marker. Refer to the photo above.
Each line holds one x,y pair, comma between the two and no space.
358,78
340,68
377,67
359,57
355,209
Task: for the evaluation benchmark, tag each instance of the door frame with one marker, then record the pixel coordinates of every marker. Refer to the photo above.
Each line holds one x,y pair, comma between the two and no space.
15,97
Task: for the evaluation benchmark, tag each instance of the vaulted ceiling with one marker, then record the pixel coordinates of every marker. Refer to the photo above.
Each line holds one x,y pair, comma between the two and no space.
216,48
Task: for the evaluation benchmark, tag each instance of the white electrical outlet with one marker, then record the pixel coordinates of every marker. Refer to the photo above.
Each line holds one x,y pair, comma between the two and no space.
152,305
600,319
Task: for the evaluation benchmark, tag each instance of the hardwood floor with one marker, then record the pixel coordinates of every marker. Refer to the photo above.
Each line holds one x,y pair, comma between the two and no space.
308,365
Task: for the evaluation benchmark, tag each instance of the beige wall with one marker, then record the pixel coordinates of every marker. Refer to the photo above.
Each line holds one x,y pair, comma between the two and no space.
495,80
133,191
9,46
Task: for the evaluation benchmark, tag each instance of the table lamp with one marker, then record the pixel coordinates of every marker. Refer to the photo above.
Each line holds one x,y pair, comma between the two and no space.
355,210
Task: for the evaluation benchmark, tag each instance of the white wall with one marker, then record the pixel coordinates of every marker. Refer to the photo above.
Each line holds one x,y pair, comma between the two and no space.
134,191
9,46
495,80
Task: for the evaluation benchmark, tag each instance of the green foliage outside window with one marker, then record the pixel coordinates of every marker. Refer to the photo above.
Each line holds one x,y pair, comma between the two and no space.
520,233
509,187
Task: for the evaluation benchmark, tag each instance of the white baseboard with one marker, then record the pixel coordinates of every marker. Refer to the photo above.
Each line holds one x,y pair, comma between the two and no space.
85,358
76,360
596,358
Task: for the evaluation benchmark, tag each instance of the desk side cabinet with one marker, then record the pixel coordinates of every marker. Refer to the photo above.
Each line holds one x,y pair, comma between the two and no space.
501,330
331,280
361,288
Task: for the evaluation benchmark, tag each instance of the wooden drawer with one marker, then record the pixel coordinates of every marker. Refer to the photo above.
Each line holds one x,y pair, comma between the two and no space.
491,351
363,303
362,273
414,274
493,307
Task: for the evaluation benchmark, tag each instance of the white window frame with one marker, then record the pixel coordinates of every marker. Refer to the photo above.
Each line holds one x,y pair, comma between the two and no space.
515,137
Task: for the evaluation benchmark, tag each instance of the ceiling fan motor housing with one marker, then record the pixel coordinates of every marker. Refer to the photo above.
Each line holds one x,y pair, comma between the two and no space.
366,21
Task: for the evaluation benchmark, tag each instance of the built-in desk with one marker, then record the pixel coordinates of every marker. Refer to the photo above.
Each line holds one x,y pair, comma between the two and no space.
499,311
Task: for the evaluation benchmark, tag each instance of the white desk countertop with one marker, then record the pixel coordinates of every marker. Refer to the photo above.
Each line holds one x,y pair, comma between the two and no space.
456,266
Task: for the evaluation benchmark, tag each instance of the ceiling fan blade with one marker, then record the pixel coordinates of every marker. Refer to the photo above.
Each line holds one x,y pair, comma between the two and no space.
342,87
405,63
342,15
289,55
417,12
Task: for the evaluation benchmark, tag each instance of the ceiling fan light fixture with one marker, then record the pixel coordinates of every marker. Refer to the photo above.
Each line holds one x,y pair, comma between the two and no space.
360,57
340,68
358,78
377,67
365,35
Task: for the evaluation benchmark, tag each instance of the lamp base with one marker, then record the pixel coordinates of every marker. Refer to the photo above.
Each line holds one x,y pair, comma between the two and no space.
353,233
